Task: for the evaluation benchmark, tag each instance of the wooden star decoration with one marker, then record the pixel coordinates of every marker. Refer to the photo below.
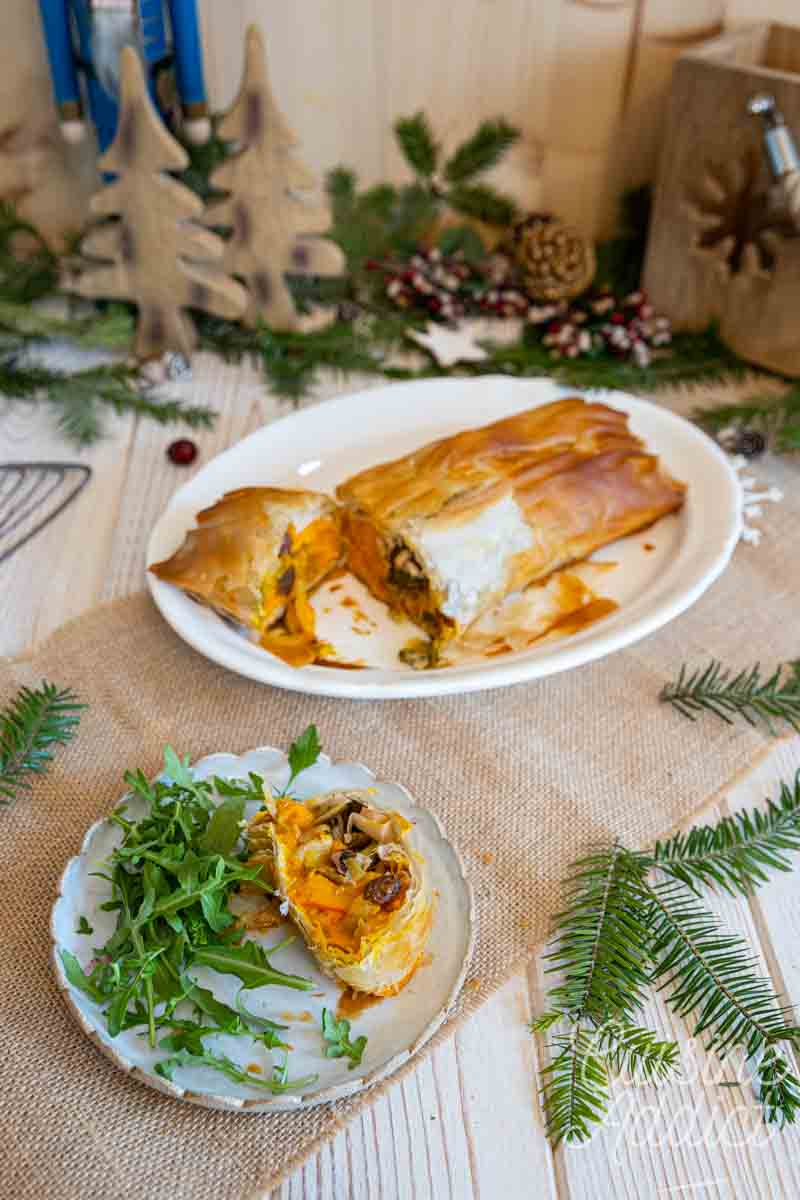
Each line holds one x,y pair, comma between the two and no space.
448,346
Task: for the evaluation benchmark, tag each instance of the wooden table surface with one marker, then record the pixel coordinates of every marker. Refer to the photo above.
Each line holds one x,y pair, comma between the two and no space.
467,1123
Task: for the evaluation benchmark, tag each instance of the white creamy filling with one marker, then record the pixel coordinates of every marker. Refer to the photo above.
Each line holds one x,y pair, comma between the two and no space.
470,560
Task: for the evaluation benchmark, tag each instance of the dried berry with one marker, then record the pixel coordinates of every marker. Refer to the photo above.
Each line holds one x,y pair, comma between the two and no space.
182,452
382,890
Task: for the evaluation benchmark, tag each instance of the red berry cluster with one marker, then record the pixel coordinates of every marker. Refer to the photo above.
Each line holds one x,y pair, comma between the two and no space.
448,287
600,323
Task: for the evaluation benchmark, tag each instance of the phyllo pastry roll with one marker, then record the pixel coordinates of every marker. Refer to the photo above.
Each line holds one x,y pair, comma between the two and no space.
446,532
254,557
352,883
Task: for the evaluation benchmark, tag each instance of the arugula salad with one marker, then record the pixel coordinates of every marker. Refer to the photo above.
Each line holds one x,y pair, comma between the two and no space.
171,879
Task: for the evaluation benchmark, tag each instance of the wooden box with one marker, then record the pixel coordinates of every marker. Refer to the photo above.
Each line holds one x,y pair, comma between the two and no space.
721,247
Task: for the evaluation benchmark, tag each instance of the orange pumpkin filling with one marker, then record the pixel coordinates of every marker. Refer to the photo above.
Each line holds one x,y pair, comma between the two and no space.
286,620
339,911
368,557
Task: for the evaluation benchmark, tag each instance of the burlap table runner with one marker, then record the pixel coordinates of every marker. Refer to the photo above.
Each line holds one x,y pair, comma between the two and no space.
524,780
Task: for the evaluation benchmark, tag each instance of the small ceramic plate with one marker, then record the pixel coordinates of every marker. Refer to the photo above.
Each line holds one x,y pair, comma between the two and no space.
395,1027
656,574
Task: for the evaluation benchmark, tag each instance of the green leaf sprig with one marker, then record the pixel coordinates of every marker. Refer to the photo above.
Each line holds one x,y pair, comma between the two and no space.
336,1033
34,724
277,1084
303,753
728,694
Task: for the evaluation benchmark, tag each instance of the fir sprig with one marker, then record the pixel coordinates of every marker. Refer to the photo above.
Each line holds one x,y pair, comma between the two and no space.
28,270
748,694
36,721
482,202
711,973
708,975
599,953
598,950
416,141
574,1085
480,152
737,852
78,399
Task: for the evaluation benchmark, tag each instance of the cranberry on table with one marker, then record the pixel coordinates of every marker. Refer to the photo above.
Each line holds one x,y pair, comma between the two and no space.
182,452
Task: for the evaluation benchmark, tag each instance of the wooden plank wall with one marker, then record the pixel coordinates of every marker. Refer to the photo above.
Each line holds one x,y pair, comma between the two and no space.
584,79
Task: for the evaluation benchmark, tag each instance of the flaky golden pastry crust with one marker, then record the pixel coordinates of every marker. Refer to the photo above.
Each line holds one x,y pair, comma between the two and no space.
539,490
240,542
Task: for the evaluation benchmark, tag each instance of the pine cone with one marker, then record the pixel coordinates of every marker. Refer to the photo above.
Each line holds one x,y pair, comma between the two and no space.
554,260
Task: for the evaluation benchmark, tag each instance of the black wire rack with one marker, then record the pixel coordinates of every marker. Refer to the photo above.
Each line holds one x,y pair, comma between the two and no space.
32,495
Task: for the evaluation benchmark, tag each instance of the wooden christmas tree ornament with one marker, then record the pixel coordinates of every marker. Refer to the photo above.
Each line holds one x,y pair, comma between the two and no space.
153,252
272,229
724,244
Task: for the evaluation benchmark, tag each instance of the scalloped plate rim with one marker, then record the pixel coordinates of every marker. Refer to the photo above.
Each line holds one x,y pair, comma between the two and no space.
655,607
288,1102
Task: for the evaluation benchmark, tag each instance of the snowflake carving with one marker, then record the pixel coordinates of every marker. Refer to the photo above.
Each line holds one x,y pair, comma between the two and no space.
732,216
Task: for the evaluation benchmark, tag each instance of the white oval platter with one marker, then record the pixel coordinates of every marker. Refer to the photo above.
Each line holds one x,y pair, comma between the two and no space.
658,574
395,1027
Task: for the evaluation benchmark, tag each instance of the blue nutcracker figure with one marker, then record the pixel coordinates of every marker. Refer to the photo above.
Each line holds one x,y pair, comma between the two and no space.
86,36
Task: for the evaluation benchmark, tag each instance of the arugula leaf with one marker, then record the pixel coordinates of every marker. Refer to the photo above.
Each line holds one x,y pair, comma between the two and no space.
224,828
337,1035
177,769
117,1010
278,1084
187,1035
83,926
204,999
270,1030
303,753
250,963
84,983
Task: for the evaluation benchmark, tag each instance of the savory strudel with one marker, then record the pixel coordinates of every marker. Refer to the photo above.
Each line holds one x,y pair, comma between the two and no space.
351,882
254,556
448,531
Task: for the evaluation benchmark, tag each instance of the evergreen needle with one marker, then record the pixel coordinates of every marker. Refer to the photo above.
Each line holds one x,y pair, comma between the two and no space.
736,853
36,721
746,693
621,933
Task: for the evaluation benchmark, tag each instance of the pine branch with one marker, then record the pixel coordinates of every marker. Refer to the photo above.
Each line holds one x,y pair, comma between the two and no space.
110,330
77,399
639,1052
601,953
737,852
599,948
718,690
778,1088
711,974
574,1086
36,721
483,150
778,417
417,144
25,274
482,202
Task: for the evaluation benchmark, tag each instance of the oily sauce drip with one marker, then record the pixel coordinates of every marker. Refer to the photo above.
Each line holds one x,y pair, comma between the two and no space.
352,1003
595,610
